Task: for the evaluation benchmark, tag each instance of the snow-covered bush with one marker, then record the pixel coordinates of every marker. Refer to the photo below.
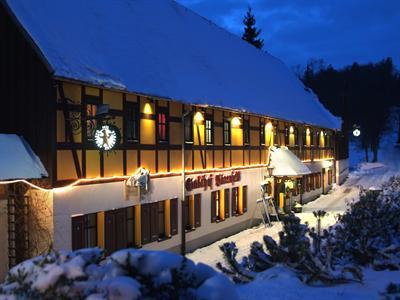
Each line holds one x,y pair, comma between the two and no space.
126,274
369,232
293,251
392,292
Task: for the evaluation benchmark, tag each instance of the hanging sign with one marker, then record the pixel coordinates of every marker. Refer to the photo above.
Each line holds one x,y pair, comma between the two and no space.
205,182
107,137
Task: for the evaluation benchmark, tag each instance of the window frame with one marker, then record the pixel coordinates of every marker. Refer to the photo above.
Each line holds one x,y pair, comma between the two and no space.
226,131
188,129
162,111
246,132
262,133
93,101
209,130
128,109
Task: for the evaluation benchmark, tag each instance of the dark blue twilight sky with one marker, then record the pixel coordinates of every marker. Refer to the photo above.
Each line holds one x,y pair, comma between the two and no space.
337,31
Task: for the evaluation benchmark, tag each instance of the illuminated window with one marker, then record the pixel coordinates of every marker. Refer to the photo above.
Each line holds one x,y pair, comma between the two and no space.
246,132
162,127
209,131
132,122
227,132
84,231
91,123
262,134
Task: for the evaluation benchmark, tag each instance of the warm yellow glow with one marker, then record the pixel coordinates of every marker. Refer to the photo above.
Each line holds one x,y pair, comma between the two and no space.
308,131
291,129
147,109
269,126
236,122
198,117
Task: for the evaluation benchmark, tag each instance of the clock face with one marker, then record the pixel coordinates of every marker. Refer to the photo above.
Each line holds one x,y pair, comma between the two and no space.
106,137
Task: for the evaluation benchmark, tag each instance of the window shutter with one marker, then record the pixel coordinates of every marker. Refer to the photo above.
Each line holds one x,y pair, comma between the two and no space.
78,233
154,221
213,207
121,229
226,197
234,196
174,216
244,199
197,210
145,219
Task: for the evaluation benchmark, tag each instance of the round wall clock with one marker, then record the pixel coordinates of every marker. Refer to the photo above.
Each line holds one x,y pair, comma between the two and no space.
107,137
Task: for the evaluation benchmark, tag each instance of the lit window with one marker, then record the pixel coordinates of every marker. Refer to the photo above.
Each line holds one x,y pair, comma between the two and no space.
91,123
262,134
209,132
162,126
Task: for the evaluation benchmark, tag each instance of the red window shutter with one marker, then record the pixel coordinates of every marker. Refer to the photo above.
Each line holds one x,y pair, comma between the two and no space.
78,233
227,203
197,210
145,219
234,197
245,198
213,207
154,221
174,216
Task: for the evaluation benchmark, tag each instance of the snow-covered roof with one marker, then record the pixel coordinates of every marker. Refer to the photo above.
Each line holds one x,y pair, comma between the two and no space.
160,48
17,160
286,163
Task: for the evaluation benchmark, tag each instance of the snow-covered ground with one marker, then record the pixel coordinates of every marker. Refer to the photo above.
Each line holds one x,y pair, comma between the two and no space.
278,283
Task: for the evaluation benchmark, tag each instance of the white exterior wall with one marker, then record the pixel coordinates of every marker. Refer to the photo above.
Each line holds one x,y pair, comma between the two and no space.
342,170
3,239
103,197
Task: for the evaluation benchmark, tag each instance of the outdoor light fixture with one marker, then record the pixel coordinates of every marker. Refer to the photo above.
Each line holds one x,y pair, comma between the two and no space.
198,117
308,131
291,129
356,132
147,109
236,122
269,126
270,169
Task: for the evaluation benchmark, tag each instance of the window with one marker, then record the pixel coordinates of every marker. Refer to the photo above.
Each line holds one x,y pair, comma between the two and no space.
162,126
161,220
91,123
246,132
115,230
235,201
174,215
329,177
84,231
317,180
189,129
209,132
192,212
216,215
132,119
227,132
262,134
286,136
239,200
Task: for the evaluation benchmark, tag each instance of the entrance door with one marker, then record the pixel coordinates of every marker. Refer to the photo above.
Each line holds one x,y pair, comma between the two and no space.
115,230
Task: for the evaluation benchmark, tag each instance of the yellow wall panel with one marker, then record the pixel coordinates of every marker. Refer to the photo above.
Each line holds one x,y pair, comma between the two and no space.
246,157
227,159
175,161
131,97
198,135
198,165
72,91
60,126
92,164
162,161
218,136
131,161
209,155
237,158
254,137
254,121
113,99
254,157
65,164
148,160
113,163
222,204
138,226
175,133
218,116
175,109
162,103
218,159
237,137
119,121
147,131
188,160
167,218
92,91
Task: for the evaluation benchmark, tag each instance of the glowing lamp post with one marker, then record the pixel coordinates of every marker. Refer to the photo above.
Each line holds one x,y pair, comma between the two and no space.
356,132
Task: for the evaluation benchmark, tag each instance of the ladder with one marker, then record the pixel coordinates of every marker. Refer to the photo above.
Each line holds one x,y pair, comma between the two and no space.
267,208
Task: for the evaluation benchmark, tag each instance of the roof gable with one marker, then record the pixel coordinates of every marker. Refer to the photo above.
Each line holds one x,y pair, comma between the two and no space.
162,49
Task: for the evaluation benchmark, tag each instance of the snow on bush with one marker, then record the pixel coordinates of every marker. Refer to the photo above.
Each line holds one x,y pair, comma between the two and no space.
367,234
126,274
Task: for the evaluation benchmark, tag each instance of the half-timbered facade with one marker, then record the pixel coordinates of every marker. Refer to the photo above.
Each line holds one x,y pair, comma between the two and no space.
225,162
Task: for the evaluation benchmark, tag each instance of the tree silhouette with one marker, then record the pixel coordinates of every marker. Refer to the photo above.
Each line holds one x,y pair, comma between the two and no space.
251,32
